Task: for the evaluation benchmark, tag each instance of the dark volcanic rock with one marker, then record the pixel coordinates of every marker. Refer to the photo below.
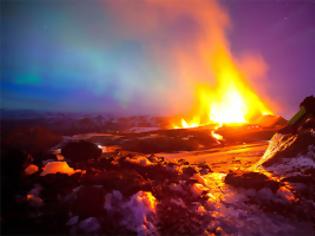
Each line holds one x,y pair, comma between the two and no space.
58,183
128,181
309,104
253,180
168,141
32,139
89,201
80,151
13,162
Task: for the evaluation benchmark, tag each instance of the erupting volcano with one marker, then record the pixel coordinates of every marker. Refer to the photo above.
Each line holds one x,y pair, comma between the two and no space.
166,117
224,96
229,102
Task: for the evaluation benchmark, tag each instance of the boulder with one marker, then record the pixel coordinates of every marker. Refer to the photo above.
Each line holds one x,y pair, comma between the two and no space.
254,180
309,104
81,151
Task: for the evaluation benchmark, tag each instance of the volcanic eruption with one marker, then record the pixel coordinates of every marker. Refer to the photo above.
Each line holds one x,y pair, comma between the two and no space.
224,95
218,162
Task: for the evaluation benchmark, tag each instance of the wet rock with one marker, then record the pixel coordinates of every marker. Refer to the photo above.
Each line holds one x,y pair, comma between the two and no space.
248,180
81,151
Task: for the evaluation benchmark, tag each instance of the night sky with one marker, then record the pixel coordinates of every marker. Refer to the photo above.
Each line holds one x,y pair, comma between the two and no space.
77,55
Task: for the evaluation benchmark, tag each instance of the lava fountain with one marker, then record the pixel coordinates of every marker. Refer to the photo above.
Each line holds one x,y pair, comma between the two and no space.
224,96
230,101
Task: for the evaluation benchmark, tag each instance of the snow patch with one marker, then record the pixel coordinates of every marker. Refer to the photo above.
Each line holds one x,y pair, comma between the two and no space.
89,225
294,165
139,160
140,217
138,212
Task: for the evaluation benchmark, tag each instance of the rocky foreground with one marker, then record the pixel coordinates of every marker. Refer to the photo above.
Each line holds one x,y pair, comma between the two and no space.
86,190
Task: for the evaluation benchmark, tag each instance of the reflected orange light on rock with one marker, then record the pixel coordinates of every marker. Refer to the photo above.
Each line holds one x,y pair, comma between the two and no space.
195,122
31,169
58,167
148,199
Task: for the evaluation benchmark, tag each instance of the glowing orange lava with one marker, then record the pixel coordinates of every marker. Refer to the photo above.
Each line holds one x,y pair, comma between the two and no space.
230,102
223,94
216,135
